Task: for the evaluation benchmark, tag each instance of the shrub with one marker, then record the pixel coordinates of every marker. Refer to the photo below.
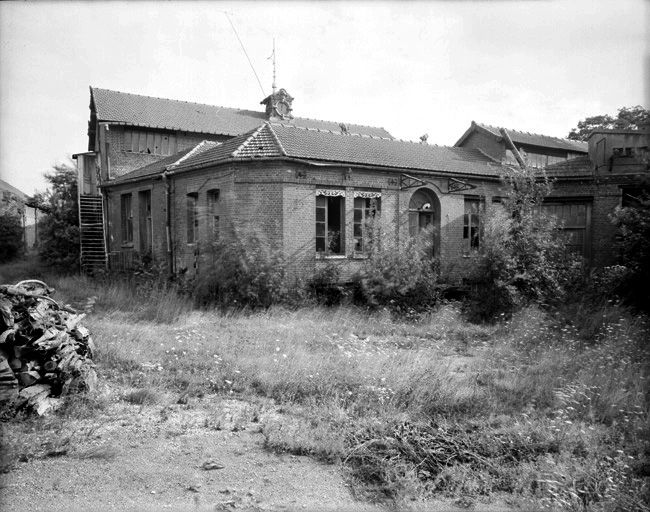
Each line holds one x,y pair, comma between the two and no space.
403,278
11,234
246,271
633,244
325,285
523,259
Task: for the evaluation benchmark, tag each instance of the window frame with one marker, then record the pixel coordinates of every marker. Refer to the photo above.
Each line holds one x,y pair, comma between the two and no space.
585,250
473,220
192,217
213,197
325,199
126,219
364,219
145,221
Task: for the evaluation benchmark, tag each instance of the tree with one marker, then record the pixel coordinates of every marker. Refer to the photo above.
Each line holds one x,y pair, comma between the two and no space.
11,234
628,118
59,228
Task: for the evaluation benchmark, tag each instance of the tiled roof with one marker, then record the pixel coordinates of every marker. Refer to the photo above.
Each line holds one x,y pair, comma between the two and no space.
574,167
146,111
279,139
164,163
534,139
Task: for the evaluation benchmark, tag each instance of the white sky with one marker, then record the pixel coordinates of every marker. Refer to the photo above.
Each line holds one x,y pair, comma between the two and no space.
411,67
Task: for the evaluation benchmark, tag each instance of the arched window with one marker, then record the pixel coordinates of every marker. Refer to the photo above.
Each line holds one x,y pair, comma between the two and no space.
424,217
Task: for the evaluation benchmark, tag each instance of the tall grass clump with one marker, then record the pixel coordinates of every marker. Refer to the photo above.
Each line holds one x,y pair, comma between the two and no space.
403,278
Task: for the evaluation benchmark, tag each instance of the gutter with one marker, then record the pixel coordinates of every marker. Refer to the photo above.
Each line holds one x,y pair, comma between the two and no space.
331,164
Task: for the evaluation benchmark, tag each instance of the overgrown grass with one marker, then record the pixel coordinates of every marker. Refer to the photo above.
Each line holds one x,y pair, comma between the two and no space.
550,411
440,406
148,300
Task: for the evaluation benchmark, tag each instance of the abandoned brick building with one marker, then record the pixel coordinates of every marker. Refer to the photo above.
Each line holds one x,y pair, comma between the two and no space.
167,179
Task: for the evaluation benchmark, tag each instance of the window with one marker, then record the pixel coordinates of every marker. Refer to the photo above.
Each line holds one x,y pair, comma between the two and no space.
150,142
366,213
192,218
330,223
575,220
144,206
126,216
472,224
213,213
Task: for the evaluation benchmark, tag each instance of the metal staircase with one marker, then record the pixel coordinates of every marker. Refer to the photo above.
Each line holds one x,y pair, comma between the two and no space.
91,233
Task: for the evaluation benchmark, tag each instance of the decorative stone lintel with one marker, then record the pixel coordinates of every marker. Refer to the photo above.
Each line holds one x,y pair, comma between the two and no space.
367,194
330,192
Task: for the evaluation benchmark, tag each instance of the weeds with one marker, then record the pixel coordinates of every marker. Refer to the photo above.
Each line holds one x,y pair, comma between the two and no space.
141,397
550,408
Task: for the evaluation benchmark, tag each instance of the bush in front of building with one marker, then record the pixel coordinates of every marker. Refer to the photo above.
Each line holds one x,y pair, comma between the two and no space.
325,286
523,259
11,234
246,272
633,244
402,278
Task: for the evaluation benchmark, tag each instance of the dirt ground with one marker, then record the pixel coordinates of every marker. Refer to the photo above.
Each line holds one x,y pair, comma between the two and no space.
153,457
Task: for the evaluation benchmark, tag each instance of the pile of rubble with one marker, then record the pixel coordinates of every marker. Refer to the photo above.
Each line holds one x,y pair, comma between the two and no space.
45,352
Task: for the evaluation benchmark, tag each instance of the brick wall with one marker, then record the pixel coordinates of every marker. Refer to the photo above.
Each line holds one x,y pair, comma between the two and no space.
275,200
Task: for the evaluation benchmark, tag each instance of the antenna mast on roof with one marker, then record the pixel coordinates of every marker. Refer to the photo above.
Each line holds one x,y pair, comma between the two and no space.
245,52
273,85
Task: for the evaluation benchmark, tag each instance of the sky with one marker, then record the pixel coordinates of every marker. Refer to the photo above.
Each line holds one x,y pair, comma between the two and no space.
411,67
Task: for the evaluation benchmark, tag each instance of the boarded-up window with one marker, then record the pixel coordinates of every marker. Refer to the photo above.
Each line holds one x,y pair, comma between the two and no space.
575,223
150,142
192,218
126,216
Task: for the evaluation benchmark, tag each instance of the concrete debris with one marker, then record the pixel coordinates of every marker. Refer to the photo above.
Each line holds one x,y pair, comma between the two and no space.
45,352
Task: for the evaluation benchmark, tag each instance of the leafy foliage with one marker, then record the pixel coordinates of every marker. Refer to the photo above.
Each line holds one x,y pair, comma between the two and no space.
404,278
628,118
11,234
246,272
59,228
523,258
633,243
325,285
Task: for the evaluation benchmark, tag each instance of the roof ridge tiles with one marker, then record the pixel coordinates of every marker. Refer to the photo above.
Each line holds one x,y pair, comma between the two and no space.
221,107
248,139
485,125
355,124
169,99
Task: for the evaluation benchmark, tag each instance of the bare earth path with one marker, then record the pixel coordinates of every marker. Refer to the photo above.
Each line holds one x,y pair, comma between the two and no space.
150,457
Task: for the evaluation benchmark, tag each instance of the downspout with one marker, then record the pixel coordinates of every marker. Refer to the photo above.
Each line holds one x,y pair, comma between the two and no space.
168,222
